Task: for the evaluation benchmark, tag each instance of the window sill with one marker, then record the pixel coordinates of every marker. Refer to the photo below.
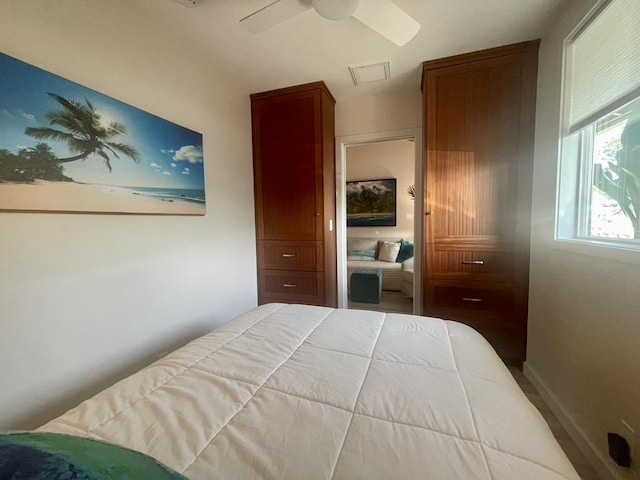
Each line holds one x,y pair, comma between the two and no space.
626,253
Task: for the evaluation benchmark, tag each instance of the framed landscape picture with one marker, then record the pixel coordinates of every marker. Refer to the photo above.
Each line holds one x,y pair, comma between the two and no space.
67,148
371,203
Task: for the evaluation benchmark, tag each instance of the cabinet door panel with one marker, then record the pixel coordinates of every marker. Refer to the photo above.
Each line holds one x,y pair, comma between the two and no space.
473,145
286,160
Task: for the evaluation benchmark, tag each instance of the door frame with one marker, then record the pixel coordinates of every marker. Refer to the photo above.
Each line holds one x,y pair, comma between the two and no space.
342,143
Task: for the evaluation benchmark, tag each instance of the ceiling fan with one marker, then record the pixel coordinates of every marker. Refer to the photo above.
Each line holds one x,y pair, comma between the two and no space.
382,16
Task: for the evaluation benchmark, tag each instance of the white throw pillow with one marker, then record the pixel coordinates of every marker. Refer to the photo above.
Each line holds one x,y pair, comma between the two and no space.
389,251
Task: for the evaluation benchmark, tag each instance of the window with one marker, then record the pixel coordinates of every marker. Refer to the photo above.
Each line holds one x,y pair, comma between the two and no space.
599,182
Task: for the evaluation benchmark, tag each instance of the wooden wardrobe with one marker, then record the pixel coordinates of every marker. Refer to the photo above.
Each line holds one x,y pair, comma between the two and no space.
295,194
479,112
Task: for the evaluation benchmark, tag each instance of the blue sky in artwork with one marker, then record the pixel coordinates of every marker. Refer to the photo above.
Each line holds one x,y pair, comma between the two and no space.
171,155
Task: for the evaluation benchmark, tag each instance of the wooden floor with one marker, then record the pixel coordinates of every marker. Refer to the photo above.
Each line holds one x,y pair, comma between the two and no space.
580,463
391,302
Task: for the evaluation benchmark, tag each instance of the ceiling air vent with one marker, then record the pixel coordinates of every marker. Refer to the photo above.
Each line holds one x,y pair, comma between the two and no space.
370,72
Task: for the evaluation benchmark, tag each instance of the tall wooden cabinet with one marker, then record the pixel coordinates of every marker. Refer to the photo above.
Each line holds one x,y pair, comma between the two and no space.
294,178
479,113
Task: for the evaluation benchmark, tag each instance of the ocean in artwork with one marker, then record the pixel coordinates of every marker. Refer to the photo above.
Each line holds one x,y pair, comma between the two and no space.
171,194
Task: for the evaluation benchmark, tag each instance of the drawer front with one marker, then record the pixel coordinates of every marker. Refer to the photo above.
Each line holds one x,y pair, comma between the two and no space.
499,265
474,299
290,256
291,286
509,341
497,311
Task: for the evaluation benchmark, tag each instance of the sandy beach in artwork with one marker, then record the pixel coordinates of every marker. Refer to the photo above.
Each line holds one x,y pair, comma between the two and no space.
42,196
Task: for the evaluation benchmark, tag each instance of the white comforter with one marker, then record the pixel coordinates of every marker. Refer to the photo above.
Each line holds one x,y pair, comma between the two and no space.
299,392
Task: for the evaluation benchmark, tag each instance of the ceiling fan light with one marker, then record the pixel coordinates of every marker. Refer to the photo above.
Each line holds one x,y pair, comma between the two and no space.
335,9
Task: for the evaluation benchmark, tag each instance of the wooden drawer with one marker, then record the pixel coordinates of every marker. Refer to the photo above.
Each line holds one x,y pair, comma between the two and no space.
290,256
291,286
482,265
473,299
497,310
508,340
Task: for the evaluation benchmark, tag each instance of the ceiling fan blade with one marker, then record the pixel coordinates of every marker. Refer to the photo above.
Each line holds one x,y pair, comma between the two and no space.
273,14
388,19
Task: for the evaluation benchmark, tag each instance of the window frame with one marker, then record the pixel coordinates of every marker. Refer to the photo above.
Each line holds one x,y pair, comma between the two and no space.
575,168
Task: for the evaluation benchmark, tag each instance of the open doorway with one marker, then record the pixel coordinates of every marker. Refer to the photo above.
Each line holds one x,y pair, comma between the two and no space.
381,156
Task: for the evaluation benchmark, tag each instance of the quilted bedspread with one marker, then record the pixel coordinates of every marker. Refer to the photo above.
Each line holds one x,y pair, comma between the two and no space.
300,392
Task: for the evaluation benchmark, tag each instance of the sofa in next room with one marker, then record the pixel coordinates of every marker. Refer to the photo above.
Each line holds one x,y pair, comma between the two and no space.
393,257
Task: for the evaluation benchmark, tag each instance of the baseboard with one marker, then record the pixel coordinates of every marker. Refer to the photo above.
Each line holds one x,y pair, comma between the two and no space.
592,454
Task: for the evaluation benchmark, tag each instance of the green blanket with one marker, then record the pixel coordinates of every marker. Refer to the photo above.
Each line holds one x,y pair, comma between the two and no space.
48,456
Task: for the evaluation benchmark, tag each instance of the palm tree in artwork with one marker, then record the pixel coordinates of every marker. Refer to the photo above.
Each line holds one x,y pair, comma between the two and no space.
81,128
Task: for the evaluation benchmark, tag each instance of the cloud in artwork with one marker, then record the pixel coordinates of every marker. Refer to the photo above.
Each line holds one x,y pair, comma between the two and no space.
17,113
174,165
189,153
374,186
156,166
26,115
166,173
163,150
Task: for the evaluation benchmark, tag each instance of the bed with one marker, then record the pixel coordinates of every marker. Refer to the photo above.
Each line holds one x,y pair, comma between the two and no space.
302,392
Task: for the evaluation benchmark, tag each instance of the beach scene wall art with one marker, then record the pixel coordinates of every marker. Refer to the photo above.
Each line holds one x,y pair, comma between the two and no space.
67,148
371,203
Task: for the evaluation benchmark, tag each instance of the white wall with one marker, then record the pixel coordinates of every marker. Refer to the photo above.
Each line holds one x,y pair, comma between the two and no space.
391,159
379,113
87,299
584,327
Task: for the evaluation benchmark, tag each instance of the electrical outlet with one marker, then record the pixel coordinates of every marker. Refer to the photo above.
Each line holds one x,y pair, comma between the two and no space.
619,449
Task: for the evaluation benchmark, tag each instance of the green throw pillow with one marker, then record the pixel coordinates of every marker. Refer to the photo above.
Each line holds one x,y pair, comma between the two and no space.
50,456
406,251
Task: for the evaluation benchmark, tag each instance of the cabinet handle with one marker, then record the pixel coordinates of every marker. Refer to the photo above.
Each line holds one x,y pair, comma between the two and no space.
288,255
289,285
471,299
473,262
430,212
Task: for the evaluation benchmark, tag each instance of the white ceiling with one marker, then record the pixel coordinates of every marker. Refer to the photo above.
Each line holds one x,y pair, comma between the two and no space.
308,48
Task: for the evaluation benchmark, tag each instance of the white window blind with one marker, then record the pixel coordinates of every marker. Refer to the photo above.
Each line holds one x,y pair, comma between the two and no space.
604,63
